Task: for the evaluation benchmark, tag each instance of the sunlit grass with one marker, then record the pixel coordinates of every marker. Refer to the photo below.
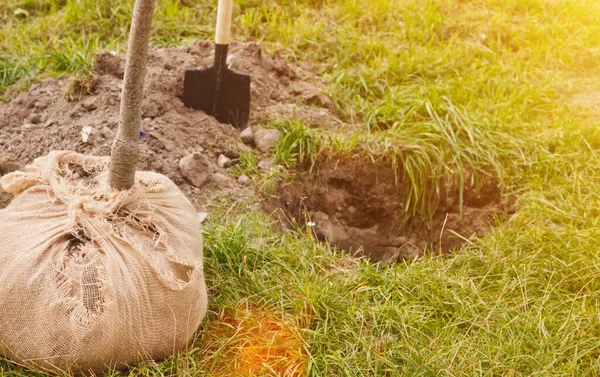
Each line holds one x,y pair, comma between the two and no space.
254,341
300,145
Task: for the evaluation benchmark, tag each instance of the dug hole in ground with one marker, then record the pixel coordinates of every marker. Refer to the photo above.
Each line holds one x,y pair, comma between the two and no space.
355,204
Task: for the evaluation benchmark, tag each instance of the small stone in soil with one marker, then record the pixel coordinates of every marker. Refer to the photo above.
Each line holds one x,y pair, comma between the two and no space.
195,168
220,178
266,139
244,179
224,161
247,136
243,148
107,133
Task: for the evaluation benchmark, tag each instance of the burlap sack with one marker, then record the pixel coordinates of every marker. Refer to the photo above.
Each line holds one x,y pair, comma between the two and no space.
91,277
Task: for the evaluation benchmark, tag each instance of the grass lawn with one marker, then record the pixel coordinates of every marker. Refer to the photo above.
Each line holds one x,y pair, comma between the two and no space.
508,89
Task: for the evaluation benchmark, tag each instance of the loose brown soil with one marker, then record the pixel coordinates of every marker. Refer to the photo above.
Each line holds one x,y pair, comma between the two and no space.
45,118
357,206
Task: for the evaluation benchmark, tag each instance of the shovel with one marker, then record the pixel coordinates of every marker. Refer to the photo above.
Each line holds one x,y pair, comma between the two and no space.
218,90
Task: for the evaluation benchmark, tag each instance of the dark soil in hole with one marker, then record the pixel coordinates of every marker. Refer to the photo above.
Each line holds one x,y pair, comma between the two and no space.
359,207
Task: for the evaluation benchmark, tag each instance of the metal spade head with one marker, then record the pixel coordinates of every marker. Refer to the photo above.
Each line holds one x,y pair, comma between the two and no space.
218,90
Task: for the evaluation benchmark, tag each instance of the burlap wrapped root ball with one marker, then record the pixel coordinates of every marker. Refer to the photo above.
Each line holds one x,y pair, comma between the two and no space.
91,276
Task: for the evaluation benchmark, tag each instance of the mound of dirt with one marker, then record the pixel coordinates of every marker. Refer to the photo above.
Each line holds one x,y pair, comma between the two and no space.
360,207
45,118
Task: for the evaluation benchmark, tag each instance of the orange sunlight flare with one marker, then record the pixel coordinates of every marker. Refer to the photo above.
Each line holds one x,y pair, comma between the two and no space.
258,342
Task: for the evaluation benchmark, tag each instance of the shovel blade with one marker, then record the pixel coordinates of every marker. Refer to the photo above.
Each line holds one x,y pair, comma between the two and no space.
233,103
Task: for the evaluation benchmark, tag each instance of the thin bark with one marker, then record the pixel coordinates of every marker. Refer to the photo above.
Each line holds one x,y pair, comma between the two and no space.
125,148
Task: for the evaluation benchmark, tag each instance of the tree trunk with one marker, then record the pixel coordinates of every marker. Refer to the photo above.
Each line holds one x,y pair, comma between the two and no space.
125,148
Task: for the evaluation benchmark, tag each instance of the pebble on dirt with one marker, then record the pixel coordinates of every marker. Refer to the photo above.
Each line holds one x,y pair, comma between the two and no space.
244,179
247,136
107,133
266,139
221,178
243,147
196,169
224,161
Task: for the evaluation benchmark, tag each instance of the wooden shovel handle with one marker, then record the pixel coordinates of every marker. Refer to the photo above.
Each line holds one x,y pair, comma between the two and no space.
224,22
